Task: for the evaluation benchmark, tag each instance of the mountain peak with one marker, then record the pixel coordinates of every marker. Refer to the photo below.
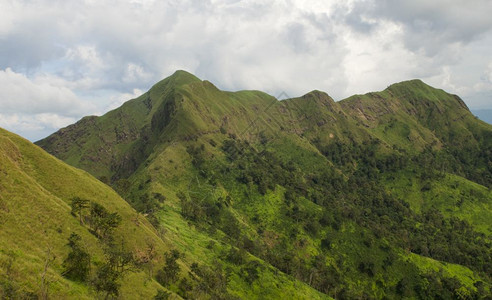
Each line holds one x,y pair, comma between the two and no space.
419,93
318,96
178,78
183,77
183,73
409,84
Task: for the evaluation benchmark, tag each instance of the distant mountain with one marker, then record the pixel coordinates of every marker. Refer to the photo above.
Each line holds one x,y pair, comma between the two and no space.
483,114
385,194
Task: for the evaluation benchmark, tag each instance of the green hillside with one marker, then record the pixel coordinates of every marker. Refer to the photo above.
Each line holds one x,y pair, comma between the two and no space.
383,195
36,221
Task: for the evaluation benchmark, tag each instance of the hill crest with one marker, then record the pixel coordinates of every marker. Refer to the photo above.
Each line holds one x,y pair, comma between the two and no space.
305,185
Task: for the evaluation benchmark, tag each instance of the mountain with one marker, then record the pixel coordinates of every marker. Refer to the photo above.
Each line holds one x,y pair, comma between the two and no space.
385,194
44,241
36,223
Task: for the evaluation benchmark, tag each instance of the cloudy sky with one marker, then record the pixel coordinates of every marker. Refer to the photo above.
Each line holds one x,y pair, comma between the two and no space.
61,60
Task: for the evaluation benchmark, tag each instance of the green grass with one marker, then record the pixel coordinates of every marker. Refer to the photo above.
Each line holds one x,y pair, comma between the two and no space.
451,194
35,191
427,266
146,140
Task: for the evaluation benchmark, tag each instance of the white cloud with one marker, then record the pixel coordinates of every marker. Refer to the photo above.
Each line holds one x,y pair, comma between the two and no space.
135,73
117,100
487,74
83,57
20,94
86,56
31,125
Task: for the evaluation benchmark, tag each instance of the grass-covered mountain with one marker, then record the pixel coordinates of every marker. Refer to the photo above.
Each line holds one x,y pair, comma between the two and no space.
52,249
36,221
45,240
379,195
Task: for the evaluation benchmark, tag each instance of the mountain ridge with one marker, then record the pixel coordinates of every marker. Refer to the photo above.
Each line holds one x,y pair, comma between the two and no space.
305,184
173,86
39,225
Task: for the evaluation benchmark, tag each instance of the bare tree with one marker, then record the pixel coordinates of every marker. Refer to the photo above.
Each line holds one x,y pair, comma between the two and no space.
45,282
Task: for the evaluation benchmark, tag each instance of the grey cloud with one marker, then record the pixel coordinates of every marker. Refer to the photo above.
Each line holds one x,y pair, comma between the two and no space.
22,51
196,35
457,20
98,51
428,24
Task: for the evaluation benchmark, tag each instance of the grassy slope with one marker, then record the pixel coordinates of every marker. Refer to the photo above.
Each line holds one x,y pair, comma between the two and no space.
170,172
298,148
102,144
451,194
413,115
348,244
34,198
409,116
35,193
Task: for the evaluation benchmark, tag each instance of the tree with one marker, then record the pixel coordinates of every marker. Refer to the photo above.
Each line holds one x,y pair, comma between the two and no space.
230,226
149,204
162,295
169,273
78,206
145,258
102,221
106,281
212,281
104,179
77,264
118,258
118,261
250,271
45,282
122,186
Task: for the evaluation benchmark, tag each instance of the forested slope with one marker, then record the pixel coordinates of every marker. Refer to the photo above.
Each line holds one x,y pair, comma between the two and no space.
379,195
